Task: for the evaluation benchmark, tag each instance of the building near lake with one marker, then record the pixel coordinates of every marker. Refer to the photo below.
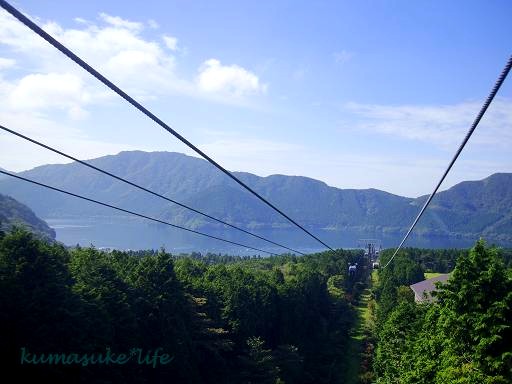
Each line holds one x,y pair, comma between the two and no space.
423,290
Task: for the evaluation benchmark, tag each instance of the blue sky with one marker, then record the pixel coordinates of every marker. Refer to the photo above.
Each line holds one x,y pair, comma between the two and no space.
358,94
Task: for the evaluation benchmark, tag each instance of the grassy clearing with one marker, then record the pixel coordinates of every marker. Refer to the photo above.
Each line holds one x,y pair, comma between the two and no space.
375,278
364,322
355,347
429,275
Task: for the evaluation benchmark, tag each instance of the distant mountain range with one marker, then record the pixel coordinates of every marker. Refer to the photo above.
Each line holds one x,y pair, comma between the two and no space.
469,209
2,176
14,213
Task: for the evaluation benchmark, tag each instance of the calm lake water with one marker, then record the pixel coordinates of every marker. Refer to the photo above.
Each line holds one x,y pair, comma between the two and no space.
134,234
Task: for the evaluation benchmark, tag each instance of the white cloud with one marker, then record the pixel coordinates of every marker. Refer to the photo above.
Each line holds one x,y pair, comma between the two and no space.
6,63
153,24
171,42
443,125
80,20
343,56
116,49
53,90
143,67
229,80
17,36
116,21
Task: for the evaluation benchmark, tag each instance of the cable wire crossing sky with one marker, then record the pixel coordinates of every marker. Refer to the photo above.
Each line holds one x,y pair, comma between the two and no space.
35,28
145,189
359,95
472,129
94,201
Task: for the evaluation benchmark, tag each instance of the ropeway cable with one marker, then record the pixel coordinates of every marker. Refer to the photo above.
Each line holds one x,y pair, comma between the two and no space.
38,30
488,102
143,188
133,213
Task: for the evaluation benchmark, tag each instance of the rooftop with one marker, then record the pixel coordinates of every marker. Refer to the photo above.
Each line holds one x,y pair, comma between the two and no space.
423,290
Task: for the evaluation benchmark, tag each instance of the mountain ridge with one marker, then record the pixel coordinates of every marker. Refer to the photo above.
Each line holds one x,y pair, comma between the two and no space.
469,208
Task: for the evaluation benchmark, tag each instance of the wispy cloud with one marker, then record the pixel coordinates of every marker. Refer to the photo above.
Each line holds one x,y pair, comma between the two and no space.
171,42
65,137
153,24
343,56
117,21
383,170
442,125
6,63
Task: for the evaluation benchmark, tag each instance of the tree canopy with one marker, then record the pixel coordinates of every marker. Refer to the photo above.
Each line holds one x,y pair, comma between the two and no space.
465,336
222,319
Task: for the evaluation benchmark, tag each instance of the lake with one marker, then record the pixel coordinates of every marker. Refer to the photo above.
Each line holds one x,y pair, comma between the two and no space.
128,233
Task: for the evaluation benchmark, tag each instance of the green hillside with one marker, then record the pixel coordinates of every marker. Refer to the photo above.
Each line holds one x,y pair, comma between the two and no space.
468,210
13,213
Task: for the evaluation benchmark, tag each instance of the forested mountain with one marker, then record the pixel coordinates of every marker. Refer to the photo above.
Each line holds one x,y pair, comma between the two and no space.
14,213
483,207
468,209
